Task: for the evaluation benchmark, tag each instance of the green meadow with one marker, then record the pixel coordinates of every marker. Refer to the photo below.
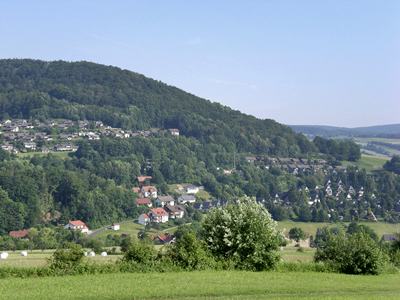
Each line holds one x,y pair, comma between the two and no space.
204,285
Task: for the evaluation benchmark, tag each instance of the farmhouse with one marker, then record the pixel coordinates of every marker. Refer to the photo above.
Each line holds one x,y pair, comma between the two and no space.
165,239
143,179
165,200
19,234
115,227
192,189
144,202
158,215
77,225
144,219
174,131
186,199
149,191
175,212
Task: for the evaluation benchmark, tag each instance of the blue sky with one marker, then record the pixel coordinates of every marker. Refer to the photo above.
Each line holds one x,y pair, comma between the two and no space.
298,62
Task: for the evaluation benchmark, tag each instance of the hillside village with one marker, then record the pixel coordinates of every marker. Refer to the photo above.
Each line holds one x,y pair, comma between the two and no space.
60,135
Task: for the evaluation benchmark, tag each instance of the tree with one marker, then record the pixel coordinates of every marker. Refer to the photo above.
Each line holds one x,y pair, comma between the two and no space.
393,165
243,233
297,234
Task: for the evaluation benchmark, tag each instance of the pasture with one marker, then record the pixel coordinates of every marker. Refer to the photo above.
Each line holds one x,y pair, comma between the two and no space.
204,285
368,162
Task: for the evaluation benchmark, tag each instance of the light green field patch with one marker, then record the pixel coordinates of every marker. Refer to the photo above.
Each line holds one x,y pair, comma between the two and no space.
368,162
204,285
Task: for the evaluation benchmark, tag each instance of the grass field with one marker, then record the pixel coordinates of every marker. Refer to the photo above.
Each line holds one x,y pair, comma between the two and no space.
368,162
63,155
40,258
204,285
311,228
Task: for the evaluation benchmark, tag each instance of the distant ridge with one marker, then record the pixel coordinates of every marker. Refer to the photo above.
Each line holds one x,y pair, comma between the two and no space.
389,131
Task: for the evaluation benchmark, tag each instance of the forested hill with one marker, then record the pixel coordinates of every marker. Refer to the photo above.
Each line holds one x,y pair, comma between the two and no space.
121,98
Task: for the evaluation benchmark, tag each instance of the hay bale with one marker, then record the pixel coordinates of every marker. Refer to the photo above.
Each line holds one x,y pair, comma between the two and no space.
24,253
3,255
103,253
91,253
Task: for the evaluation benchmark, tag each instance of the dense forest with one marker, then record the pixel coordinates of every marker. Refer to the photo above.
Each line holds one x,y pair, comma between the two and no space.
95,183
120,98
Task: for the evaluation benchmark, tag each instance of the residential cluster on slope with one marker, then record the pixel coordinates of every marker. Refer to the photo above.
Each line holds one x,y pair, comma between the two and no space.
21,135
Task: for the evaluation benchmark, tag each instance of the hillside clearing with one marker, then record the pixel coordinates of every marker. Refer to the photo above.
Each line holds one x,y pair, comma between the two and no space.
204,285
368,162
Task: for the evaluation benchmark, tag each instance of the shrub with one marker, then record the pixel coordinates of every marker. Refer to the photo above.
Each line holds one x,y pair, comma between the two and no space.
67,259
297,234
190,253
243,233
357,253
140,252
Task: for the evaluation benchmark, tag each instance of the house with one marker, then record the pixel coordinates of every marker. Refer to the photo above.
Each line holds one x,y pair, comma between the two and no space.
175,212
165,239
149,191
19,234
143,179
192,189
158,215
77,225
186,199
136,190
251,159
144,219
174,131
165,200
144,202
30,145
115,227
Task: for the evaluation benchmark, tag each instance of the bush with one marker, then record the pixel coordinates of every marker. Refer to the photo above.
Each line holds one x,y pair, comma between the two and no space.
297,234
357,253
190,253
140,252
243,233
67,259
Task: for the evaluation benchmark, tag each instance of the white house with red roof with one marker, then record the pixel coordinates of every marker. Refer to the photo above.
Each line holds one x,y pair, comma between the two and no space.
77,225
144,202
158,215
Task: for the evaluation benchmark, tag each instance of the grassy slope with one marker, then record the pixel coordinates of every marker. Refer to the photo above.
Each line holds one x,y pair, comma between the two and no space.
368,162
204,285
311,228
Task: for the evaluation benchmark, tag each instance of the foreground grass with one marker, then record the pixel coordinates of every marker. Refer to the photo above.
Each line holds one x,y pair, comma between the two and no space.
204,285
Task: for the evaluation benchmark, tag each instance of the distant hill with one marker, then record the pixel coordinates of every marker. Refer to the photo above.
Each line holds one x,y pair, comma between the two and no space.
389,131
121,98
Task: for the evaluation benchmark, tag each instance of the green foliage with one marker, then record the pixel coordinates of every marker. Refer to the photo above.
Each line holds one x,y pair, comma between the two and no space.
140,252
354,228
190,253
339,149
355,253
243,233
393,165
297,234
67,259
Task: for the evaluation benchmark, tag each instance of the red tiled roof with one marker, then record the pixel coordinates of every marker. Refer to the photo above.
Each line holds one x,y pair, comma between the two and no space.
143,201
18,234
144,178
159,211
77,223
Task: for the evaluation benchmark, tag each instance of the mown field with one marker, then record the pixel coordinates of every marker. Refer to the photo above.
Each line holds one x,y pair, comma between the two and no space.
368,162
311,228
204,285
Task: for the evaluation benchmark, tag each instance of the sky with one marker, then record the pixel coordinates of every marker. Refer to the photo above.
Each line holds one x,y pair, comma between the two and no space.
331,62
